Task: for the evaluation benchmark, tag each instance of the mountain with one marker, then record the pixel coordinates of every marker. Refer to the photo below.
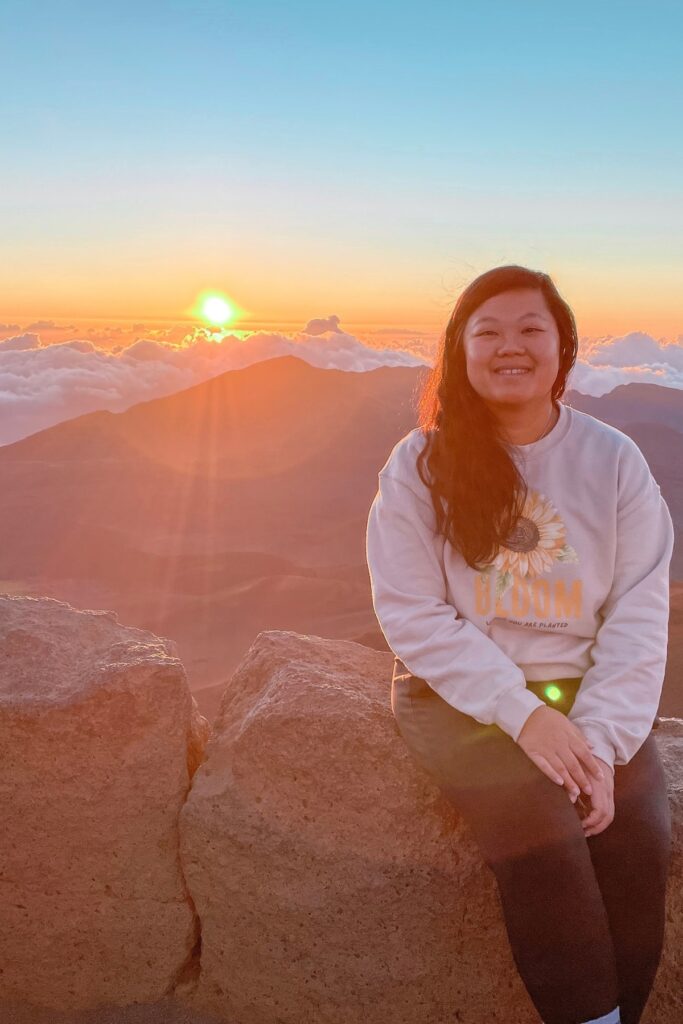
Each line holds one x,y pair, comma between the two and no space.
208,469
240,504
632,403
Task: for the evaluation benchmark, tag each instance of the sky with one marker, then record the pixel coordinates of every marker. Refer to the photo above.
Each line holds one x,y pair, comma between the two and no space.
354,165
364,160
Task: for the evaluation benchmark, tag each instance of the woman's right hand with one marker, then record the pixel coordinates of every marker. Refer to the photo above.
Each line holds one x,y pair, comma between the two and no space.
559,749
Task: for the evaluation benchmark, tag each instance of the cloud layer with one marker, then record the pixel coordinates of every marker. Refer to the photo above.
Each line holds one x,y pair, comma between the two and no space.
605,363
44,383
44,380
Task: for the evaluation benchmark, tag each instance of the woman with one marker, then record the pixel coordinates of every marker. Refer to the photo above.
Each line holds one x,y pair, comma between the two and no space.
519,553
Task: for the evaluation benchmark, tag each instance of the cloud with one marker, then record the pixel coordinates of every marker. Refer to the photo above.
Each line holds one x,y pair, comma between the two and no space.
20,343
113,368
43,384
637,349
396,331
605,363
318,326
41,325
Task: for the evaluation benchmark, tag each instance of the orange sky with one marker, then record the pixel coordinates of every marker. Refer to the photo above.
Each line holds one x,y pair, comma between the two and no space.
609,300
351,160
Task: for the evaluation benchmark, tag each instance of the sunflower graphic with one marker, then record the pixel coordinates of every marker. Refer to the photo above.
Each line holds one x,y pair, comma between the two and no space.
538,540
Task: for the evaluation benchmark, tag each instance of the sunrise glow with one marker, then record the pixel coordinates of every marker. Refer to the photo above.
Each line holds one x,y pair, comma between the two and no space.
216,310
280,196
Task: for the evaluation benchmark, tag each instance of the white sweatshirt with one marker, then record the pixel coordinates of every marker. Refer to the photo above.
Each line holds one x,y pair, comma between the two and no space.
588,596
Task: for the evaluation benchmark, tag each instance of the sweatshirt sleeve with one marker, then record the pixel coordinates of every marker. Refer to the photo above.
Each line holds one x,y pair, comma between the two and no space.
464,666
618,699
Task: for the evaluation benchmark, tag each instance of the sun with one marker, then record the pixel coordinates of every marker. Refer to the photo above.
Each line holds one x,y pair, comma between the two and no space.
217,310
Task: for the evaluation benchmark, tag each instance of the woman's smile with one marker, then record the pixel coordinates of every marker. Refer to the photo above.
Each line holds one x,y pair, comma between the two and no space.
510,372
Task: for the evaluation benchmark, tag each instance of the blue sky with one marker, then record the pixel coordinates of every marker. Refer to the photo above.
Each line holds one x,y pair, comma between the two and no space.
330,154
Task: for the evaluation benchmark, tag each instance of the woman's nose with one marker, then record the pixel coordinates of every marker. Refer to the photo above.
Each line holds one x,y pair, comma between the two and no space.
511,344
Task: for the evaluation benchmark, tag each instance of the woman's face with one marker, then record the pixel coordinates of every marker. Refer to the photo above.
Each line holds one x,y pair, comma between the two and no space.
514,329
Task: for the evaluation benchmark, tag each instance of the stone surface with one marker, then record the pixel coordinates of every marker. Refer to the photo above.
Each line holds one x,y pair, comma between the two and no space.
333,879
99,736
665,1005
164,1011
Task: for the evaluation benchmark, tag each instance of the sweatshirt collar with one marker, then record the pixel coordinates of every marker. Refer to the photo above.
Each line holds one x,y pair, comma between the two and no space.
550,441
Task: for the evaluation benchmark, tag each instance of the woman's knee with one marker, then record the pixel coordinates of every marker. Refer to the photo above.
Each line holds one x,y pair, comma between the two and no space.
531,822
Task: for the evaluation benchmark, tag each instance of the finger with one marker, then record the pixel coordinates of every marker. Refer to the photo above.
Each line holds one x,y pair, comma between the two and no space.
561,773
593,766
597,817
597,812
600,827
575,767
542,762
567,780
583,806
581,809
591,819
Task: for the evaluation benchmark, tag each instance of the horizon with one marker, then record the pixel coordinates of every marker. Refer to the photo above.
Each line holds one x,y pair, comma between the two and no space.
44,417
357,161
330,181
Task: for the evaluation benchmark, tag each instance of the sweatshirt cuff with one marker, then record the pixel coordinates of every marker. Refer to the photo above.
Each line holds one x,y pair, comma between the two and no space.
513,709
600,747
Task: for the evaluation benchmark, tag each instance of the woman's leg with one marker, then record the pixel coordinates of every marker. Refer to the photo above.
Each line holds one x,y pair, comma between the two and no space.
530,835
631,862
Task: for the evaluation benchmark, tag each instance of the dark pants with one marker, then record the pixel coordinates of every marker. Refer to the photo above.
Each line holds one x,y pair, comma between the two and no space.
584,915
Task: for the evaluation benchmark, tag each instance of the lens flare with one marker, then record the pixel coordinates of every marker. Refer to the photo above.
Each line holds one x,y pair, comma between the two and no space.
553,692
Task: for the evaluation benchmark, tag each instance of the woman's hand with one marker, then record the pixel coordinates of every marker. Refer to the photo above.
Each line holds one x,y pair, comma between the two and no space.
559,749
600,811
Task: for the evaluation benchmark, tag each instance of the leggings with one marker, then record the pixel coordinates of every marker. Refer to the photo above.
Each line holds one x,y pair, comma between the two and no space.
584,915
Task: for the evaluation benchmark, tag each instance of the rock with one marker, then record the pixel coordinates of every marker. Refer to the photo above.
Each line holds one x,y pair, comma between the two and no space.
99,736
333,879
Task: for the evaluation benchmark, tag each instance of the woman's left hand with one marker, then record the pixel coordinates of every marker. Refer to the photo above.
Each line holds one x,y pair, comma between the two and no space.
600,803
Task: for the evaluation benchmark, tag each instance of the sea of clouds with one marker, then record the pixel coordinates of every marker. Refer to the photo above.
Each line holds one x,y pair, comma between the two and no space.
44,380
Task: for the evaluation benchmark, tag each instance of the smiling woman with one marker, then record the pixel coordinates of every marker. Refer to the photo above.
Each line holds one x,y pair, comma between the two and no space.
519,559
510,317
512,347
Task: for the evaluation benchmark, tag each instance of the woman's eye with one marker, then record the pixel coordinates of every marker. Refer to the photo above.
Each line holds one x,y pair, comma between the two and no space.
479,334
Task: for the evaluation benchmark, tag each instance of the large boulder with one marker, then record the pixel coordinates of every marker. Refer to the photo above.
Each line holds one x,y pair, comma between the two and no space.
99,737
329,877
333,879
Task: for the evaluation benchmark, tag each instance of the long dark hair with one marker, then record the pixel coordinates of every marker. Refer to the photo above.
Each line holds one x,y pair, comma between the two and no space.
477,491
